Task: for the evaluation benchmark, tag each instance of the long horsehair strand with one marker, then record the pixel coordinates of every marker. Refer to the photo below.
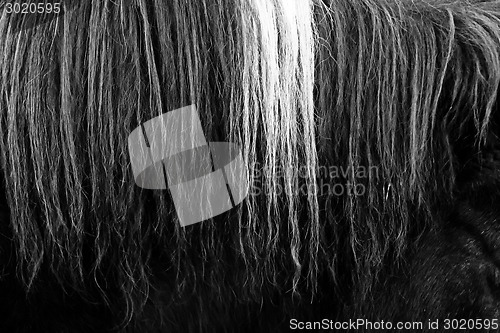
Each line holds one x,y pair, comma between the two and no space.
396,80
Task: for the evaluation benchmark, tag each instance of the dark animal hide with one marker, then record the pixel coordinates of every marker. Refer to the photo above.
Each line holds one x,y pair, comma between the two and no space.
404,89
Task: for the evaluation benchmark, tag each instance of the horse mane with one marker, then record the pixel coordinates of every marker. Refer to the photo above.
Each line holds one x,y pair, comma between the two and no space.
407,88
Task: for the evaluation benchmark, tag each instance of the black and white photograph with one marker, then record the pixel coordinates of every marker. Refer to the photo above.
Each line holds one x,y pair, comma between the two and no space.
249,166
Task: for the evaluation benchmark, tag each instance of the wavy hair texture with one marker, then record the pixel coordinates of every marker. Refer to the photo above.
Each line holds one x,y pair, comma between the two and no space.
407,87
402,86
75,88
